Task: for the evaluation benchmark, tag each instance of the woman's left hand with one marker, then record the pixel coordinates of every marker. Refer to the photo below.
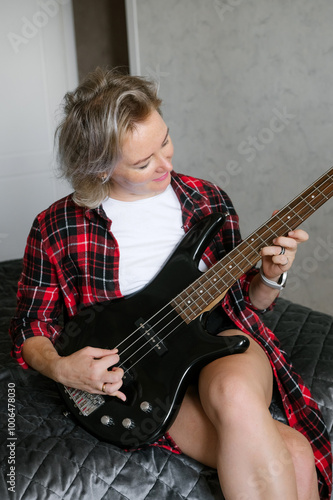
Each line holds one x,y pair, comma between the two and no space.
278,258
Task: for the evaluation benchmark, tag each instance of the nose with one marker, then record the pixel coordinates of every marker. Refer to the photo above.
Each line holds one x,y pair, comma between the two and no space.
165,160
165,164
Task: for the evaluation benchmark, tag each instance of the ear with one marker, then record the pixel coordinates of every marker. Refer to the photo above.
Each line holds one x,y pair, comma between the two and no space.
103,177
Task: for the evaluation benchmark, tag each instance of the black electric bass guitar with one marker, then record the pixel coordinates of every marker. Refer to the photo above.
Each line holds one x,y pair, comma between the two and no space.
160,331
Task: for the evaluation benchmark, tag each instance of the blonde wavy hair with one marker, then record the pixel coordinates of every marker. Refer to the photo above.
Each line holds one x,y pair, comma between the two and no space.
97,116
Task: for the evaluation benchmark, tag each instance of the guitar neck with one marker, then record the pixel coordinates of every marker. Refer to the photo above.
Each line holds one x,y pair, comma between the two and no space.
211,287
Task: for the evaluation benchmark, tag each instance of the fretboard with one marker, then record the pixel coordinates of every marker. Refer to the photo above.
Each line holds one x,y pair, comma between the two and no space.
211,287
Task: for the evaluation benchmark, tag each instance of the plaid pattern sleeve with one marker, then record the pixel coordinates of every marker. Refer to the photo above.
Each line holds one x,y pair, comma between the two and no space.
72,260
38,297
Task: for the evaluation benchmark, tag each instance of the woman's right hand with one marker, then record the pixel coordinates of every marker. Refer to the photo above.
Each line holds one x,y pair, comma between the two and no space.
89,369
86,369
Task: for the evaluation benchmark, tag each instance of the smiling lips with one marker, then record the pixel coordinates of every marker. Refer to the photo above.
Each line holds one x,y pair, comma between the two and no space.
164,176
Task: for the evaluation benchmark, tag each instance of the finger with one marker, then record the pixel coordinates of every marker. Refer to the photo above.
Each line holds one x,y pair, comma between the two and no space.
103,353
97,353
286,263
113,390
108,362
274,251
115,376
285,242
282,261
299,235
272,255
120,395
293,238
111,387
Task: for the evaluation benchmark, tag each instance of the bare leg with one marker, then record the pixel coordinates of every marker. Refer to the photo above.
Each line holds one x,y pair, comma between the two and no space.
227,425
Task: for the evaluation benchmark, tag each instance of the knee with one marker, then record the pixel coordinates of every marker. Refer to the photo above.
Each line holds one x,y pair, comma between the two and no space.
230,396
301,450
303,460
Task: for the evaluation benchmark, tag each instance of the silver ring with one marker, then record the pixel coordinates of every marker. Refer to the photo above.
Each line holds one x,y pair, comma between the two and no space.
283,251
103,387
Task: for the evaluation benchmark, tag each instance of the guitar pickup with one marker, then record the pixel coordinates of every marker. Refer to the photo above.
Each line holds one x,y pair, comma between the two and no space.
153,339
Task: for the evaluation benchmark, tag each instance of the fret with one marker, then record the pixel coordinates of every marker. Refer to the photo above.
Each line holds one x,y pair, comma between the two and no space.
213,284
184,309
262,240
289,220
205,289
247,261
253,245
197,296
309,204
270,230
319,196
215,280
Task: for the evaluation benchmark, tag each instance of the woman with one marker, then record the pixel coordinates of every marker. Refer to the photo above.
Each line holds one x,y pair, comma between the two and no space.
128,212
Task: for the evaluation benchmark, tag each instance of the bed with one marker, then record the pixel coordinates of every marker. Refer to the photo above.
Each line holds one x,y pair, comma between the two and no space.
46,455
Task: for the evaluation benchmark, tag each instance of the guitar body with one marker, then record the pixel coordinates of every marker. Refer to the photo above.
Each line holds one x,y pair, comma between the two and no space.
159,351
160,331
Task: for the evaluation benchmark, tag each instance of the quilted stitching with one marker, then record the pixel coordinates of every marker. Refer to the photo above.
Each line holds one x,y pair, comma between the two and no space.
307,336
57,460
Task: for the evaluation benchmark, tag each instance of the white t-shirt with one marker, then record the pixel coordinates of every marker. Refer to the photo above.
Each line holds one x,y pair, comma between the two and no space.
147,231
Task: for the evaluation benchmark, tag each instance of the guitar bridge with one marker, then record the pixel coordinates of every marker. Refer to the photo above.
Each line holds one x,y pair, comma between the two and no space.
153,339
87,403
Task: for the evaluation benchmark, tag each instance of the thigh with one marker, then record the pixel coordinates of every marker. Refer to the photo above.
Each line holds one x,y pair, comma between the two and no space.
193,430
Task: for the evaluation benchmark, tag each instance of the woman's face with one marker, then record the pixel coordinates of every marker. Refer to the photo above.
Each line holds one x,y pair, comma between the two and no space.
145,166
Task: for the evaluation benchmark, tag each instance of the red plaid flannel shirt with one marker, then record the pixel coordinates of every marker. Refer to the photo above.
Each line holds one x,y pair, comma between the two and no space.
72,259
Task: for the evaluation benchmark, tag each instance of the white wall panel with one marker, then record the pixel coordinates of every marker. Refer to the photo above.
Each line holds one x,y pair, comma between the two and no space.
227,69
38,56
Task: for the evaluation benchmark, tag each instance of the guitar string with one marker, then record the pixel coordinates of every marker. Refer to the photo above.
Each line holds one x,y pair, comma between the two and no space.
324,178
152,327
226,271
159,340
157,343
263,238
245,258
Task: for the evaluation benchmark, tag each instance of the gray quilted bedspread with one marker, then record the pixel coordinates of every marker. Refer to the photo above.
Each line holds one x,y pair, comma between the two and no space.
55,459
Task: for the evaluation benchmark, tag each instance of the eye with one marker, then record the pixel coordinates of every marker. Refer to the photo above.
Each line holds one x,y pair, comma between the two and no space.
165,142
143,166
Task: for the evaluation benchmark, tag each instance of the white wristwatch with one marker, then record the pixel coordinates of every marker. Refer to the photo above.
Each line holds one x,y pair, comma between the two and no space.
273,284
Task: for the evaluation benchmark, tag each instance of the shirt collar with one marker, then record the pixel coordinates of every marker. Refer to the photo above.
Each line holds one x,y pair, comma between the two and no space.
188,196
185,191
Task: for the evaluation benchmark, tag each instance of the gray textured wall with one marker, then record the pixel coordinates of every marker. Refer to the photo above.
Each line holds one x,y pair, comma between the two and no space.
247,88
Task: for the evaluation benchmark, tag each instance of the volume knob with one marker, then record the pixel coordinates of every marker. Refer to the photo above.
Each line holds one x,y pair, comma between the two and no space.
128,423
146,406
107,420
